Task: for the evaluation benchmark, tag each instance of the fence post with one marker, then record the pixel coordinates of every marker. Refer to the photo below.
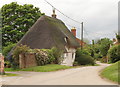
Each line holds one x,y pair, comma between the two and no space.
2,72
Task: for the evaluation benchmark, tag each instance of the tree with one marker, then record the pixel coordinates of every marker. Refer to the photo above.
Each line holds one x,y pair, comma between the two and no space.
16,20
7,49
118,38
104,46
114,53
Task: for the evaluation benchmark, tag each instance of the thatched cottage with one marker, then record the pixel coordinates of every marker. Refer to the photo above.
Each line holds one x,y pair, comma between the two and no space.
50,32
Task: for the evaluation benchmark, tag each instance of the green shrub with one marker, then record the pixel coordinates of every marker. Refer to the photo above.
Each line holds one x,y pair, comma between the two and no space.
118,38
22,49
83,59
97,56
7,49
7,64
54,55
57,55
51,56
114,53
84,51
41,57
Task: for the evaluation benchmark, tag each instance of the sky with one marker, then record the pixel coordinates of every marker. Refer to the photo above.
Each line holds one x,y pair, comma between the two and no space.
100,17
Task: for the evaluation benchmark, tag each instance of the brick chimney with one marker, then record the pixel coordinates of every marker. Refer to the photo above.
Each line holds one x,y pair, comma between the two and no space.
73,30
54,15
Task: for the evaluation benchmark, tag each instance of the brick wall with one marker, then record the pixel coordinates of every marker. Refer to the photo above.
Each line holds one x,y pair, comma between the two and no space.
27,60
1,64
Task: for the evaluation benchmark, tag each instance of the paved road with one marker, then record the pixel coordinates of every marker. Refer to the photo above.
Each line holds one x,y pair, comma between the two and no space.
88,75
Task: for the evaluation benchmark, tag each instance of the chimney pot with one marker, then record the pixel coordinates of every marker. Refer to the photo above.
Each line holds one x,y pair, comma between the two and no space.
54,15
73,30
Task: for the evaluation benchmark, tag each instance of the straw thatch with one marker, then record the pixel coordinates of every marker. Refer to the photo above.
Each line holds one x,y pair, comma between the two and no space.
46,33
49,32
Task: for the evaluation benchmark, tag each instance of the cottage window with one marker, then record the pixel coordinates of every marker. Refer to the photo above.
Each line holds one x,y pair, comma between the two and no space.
66,39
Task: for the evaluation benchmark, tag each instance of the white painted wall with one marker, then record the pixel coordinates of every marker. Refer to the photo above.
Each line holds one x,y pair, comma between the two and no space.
69,57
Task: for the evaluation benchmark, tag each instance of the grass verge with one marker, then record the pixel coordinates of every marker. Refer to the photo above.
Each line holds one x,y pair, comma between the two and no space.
96,65
111,72
46,68
9,74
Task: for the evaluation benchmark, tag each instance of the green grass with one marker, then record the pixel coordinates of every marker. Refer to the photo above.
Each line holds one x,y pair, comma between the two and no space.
111,72
9,74
96,65
46,68
11,69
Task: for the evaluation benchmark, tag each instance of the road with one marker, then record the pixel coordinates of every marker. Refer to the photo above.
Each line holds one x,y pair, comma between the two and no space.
88,75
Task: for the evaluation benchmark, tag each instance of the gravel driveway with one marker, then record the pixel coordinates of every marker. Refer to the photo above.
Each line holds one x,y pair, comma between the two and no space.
88,75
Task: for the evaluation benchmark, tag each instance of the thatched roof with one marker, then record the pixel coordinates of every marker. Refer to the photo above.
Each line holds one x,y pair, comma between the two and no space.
46,33
49,32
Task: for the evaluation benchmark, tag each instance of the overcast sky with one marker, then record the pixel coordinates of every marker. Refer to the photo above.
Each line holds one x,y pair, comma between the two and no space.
100,17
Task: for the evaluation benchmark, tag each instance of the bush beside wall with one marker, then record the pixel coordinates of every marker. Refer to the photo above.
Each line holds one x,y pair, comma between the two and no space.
42,56
83,58
114,53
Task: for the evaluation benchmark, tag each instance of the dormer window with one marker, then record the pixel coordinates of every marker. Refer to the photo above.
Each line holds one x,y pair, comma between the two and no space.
66,40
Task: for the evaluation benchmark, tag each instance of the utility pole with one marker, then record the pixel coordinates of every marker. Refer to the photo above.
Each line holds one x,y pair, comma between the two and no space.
82,35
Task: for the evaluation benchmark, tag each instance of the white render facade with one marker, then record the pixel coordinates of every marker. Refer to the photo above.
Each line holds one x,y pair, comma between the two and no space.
69,57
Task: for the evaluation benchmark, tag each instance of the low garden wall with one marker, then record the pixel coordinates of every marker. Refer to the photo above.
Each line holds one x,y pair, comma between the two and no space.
24,57
27,60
